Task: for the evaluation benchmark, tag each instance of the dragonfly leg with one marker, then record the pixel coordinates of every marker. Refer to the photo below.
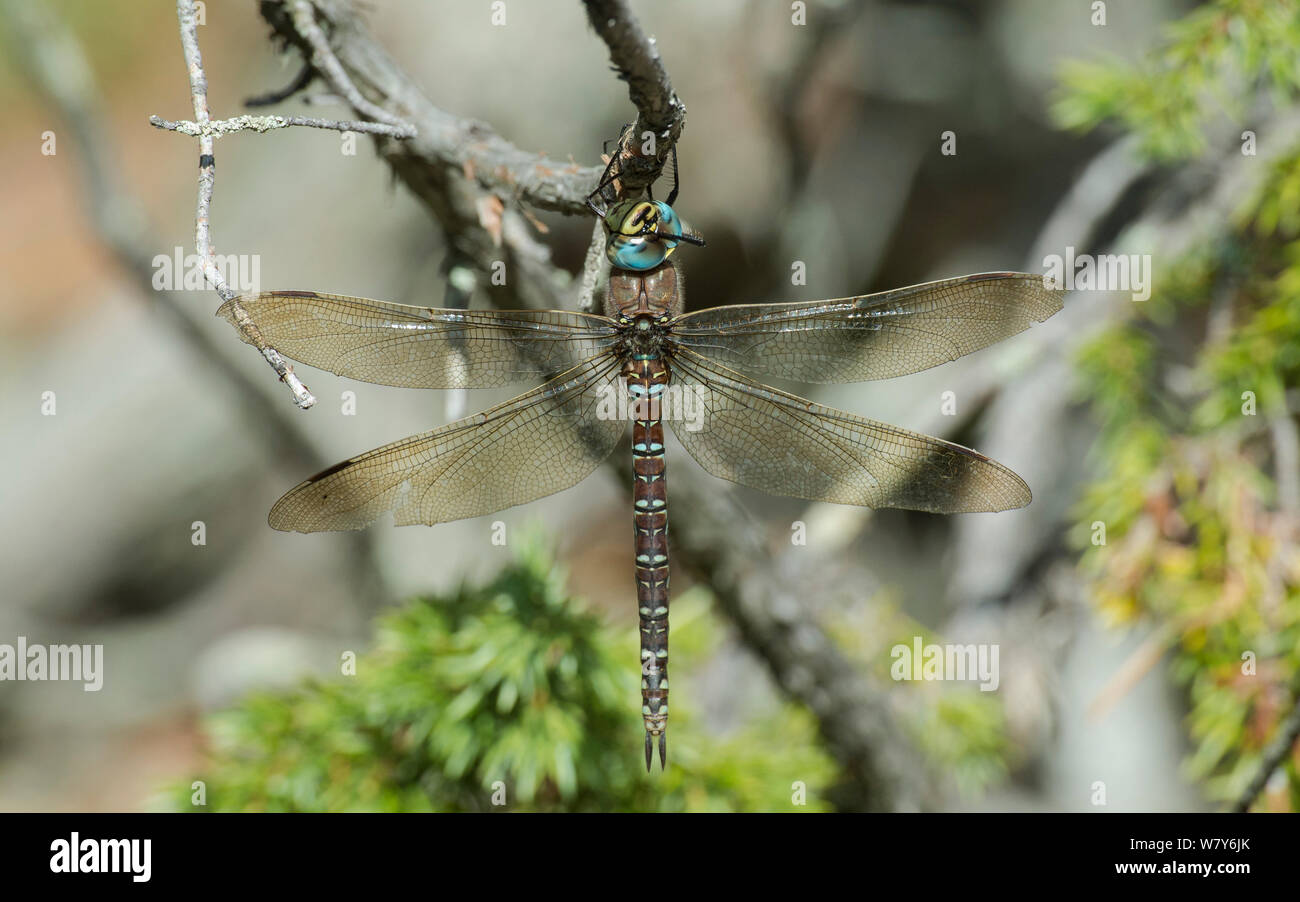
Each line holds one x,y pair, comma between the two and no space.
607,178
672,195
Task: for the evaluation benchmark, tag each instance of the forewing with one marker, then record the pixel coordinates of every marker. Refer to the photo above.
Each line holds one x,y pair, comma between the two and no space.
779,443
422,347
875,336
531,446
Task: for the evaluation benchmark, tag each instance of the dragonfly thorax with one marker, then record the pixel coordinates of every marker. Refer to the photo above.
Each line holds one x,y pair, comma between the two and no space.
655,294
645,337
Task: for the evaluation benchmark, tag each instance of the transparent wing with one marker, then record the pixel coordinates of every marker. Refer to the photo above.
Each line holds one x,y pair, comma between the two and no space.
876,336
534,445
422,347
769,440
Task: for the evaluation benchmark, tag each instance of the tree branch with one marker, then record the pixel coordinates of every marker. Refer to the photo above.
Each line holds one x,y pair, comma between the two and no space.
445,143
306,74
660,113
323,61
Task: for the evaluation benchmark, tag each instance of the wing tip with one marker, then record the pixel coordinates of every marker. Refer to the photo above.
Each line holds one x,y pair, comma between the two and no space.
1009,491
1048,292
1020,495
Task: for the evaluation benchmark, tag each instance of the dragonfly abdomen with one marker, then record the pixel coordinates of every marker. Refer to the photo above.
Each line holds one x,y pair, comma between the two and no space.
647,377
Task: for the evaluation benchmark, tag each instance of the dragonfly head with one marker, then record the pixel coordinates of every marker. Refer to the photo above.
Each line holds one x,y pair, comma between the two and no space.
640,234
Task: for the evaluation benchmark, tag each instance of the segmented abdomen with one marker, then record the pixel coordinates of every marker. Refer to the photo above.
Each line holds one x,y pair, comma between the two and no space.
646,380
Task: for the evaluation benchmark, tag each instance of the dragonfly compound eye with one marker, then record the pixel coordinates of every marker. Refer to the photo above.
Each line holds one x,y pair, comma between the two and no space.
641,234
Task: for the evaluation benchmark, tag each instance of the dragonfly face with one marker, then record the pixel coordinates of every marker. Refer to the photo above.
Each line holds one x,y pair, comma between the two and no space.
557,434
641,234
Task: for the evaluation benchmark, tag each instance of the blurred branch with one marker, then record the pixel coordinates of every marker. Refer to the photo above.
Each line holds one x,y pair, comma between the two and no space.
826,25
1288,732
1105,183
994,561
795,101
1286,464
715,537
1121,203
306,75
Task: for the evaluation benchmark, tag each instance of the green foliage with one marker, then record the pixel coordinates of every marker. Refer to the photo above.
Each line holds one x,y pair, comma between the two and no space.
1188,450
1220,58
511,682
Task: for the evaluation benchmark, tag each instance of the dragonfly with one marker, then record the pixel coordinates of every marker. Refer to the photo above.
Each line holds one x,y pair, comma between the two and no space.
646,361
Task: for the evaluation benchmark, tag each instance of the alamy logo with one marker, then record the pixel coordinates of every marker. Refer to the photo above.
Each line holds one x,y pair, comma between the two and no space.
102,856
673,403
946,662
1107,272
184,272
79,663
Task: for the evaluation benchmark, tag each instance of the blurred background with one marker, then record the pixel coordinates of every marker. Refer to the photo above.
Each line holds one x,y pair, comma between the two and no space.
1154,672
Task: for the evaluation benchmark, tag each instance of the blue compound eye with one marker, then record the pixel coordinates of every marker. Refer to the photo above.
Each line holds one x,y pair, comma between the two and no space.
670,227
637,254
641,234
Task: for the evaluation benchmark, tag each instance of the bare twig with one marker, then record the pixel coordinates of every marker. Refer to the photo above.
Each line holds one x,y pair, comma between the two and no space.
207,130
218,128
188,16
325,62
